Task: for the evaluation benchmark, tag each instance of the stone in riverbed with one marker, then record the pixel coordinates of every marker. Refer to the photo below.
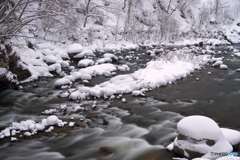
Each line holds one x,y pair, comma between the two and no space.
7,79
199,135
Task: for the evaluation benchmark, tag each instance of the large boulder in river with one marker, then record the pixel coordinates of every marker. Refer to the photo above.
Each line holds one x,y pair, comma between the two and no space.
199,135
74,49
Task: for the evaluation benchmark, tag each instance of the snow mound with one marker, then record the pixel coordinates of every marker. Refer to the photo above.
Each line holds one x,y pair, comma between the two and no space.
199,127
87,73
200,134
86,52
30,127
231,135
42,61
74,48
157,73
104,60
109,55
85,63
237,54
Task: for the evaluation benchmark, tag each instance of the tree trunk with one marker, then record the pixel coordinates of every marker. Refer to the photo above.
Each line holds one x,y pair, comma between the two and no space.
86,13
129,11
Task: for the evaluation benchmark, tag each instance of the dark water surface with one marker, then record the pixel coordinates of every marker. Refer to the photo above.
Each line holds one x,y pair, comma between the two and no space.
137,129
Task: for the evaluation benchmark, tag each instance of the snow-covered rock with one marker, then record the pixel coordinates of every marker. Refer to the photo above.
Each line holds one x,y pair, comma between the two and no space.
231,135
74,48
30,127
190,127
112,56
138,93
85,63
86,52
45,60
218,62
7,79
223,66
87,73
201,136
104,60
237,54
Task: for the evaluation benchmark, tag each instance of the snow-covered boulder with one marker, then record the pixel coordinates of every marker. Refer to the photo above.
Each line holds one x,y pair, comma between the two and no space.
74,48
85,63
111,56
199,127
237,54
199,135
7,79
30,127
86,52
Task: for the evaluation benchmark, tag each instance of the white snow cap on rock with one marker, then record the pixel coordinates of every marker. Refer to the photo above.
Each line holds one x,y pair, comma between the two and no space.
30,127
237,54
87,73
85,63
74,48
200,129
231,135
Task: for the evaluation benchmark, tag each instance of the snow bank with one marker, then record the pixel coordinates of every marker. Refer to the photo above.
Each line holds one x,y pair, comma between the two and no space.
42,61
157,73
30,127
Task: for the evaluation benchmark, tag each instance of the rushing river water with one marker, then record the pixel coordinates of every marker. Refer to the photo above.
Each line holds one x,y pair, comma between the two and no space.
133,130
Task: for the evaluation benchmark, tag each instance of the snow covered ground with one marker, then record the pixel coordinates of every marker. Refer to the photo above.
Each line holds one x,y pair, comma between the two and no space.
48,59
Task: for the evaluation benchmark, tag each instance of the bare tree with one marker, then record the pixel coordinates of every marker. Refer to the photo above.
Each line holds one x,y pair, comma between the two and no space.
86,13
128,4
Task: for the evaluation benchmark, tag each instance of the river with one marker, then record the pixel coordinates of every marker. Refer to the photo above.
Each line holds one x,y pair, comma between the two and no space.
137,129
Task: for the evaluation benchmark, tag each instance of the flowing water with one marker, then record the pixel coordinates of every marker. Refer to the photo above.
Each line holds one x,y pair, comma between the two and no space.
137,129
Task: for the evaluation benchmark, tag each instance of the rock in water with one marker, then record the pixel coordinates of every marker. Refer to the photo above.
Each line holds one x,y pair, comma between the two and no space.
74,48
198,136
7,79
